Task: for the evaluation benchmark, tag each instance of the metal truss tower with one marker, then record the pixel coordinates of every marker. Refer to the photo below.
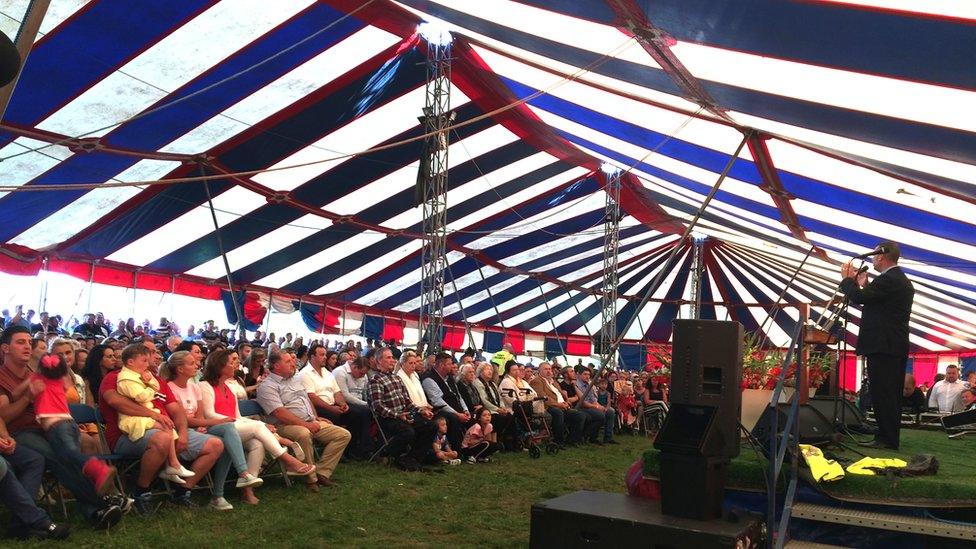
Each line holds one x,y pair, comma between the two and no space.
432,190
698,271
608,288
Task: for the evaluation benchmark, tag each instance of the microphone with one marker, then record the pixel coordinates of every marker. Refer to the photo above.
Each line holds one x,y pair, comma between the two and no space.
879,251
862,270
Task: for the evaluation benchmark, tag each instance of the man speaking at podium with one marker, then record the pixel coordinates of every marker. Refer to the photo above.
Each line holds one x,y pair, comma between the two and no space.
886,304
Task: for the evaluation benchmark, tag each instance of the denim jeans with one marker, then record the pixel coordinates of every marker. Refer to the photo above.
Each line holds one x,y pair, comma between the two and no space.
59,461
233,455
20,479
64,436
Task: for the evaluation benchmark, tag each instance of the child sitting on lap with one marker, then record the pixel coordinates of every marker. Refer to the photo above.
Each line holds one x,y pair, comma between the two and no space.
137,383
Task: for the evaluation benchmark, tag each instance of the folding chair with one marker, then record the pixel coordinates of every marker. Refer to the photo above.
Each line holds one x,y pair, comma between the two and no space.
249,408
379,428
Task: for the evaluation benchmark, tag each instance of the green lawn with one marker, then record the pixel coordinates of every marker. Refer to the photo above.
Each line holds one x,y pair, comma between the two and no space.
373,505
955,483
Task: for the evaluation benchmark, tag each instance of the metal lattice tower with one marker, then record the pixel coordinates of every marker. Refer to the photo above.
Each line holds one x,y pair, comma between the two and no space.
432,187
608,288
698,270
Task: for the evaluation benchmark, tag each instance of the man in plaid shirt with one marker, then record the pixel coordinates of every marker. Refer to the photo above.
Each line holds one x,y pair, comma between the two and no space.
407,427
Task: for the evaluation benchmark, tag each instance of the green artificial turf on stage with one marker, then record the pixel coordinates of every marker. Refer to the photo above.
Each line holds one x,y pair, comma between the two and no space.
954,484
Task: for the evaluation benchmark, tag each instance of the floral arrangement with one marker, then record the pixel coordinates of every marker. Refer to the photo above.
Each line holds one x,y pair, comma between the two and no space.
761,367
660,372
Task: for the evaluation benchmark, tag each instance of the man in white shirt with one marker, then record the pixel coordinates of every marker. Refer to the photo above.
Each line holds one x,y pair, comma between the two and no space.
945,395
352,382
327,397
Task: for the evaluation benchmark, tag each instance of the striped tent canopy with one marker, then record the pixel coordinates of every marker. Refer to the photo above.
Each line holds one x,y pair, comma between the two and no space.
841,124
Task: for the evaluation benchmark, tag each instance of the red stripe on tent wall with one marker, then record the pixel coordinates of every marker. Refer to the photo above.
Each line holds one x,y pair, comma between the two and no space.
453,338
393,329
577,345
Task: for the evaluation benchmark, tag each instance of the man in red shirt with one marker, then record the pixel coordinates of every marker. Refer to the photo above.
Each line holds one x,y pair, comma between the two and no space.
17,410
152,449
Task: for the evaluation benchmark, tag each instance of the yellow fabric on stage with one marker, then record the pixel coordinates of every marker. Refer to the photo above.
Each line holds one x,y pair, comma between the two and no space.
867,465
823,469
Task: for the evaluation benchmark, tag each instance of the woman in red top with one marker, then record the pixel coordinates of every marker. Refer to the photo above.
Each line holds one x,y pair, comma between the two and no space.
219,401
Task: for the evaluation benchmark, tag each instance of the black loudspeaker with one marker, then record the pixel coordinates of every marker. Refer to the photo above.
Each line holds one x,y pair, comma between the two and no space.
959,421
9,60
601,519
838,412
706,370
814,427
692,479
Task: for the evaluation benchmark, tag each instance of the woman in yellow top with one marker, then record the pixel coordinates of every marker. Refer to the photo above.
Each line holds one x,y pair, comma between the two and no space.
137,383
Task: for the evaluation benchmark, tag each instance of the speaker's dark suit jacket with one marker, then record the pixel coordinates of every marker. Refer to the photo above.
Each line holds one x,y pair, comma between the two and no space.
886,306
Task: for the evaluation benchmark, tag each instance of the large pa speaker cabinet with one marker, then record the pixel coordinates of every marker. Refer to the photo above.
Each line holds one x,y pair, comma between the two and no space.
706,370
814,427
838,412
600,519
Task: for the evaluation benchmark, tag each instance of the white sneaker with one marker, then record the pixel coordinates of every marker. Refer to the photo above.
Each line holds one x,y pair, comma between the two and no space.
221,504
249,480
471,459
175,479
454,461
179,471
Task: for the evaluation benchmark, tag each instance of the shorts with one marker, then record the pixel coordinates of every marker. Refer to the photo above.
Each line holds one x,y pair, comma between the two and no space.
194,446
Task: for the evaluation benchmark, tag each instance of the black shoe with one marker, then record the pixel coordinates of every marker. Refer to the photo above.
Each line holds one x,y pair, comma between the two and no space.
121,501
596,442
183,499
105,518
611,441
878,444
144,503
51,531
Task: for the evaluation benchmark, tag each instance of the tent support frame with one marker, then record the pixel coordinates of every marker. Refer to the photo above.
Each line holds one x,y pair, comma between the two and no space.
608,287
432,186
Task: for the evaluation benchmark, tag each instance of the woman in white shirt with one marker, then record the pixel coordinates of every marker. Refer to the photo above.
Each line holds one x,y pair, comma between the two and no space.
219,402
407,371
181,369
513,387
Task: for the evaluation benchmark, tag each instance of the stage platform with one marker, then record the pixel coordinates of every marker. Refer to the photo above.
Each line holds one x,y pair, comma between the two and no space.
953,487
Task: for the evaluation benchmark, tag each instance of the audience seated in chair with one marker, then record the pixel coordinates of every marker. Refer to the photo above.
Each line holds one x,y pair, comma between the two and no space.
285,401
329,402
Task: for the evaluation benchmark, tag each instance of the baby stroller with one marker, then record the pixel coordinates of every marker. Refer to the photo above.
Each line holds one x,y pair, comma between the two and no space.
533,428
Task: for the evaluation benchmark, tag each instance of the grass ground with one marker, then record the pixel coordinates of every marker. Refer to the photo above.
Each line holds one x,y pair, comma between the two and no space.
955,482
374,506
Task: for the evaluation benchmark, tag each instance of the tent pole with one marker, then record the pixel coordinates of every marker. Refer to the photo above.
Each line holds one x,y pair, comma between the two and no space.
490,297
223,256
578,313
609,281
652,287
776,306
659,278
42,305
172,296
135,284
24,41
464,315
553,321
91,284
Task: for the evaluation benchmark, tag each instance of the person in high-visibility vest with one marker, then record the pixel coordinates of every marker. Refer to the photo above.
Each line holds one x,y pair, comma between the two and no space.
502,357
